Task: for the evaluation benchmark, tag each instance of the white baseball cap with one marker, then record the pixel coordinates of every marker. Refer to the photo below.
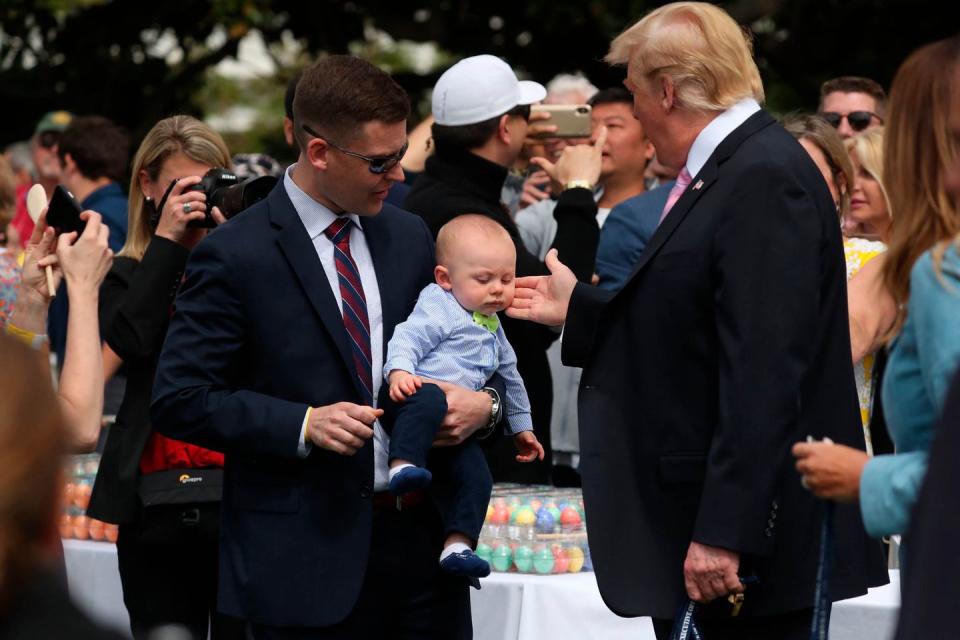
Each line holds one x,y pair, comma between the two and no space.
479,88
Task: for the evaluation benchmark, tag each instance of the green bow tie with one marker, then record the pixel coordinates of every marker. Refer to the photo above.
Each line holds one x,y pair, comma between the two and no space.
491,323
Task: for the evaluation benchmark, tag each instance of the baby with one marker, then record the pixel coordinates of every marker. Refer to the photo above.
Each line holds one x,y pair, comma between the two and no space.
454,335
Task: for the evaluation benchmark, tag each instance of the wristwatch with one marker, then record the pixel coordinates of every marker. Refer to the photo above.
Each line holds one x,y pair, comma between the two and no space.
495,411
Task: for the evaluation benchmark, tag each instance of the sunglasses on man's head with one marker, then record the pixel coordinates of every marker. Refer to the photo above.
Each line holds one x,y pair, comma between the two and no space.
378,164
858,120
48,139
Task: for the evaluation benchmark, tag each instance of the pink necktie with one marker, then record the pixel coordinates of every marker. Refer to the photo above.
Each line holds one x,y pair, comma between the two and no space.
683,181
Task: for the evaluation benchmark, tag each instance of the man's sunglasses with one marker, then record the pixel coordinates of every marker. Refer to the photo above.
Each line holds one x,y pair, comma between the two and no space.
378,165
858,120
48,139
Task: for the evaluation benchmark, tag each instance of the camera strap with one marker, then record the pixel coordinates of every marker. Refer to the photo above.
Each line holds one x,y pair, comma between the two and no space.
158,210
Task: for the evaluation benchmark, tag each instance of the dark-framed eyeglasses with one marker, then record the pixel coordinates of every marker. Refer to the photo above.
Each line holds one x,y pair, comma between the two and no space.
858,120
377,164
48,139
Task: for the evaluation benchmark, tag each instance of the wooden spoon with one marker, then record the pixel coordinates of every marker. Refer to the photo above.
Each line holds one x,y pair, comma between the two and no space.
36,203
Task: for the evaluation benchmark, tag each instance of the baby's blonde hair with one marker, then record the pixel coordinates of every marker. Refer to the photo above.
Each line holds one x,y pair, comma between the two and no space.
468,227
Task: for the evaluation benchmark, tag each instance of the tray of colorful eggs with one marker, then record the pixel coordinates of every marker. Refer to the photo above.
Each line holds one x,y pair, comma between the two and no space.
80,473
564,555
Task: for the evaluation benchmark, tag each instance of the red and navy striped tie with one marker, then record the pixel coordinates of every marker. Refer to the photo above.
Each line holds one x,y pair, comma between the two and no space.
355,318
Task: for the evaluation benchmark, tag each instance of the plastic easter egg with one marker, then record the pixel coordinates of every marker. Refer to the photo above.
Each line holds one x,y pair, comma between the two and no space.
524,516
490,512
66,526
561,560
555,512
535,504
110,532
81,527
543,561
485,552
569,517
81,494
545,521
523,559
500,516
96,529
575,556
502,557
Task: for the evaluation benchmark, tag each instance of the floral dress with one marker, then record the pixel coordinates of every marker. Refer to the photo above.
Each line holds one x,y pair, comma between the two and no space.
9,281
859,252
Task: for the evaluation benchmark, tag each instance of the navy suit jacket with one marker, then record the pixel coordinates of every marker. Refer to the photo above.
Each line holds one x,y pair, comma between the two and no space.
728,343
625,235
257,337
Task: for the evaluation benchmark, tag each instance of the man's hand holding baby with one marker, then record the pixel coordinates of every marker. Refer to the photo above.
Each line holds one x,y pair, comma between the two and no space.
403,385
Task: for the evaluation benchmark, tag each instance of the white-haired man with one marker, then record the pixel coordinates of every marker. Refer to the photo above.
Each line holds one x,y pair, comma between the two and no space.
726,345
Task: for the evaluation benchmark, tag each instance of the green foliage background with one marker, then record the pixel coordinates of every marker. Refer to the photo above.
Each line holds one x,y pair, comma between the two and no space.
93,56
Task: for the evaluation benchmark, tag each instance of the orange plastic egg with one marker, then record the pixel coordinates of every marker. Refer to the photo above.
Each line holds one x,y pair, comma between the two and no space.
81,527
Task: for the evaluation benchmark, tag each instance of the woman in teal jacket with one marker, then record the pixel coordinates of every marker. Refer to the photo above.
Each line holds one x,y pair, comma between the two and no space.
922,272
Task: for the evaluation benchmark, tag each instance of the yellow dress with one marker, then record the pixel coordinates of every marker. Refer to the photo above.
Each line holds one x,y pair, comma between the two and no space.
859,252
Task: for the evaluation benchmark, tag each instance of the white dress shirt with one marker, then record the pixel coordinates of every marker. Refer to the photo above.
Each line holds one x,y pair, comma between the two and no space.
316,218
716,132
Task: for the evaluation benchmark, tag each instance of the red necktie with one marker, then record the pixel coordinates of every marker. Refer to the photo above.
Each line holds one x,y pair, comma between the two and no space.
355,318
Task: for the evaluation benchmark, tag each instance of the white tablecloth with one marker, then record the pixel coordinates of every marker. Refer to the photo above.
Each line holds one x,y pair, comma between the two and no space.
529,607
509,605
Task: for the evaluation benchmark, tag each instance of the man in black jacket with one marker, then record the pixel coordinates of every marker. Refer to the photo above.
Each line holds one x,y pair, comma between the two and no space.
726,345
480,111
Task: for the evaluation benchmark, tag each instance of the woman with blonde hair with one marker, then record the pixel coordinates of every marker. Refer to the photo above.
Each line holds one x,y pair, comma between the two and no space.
922,273
168,536
869,216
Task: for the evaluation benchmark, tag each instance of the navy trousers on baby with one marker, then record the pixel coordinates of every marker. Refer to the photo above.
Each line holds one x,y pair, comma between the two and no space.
462,482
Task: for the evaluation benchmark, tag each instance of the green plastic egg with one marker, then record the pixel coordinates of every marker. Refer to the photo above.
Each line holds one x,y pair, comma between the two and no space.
485,552
523,559
502,557
543,561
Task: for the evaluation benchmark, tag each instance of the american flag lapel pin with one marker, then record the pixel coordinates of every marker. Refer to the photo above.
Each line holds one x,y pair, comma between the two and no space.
697,186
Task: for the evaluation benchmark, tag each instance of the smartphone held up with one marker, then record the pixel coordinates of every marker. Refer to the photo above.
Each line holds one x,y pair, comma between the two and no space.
571,120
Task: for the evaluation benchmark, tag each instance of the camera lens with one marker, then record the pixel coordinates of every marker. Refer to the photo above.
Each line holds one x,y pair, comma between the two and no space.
582,110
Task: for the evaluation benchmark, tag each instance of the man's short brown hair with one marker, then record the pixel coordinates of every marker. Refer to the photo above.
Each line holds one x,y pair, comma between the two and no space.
855,84
339,94
99,148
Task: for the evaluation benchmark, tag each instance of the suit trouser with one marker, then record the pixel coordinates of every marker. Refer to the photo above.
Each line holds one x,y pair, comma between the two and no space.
168,568
794,625
405,595
461,483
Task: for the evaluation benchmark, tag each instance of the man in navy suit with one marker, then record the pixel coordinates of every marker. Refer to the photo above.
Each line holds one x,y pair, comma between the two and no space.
727,344
274,356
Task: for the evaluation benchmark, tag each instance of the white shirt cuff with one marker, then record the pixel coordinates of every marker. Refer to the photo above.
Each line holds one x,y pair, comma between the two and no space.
303,447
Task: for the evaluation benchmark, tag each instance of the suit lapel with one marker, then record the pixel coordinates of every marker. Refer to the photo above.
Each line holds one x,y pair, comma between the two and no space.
699,185
296,245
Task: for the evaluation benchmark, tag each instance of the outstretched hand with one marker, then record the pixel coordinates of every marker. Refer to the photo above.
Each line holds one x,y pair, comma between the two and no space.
544,299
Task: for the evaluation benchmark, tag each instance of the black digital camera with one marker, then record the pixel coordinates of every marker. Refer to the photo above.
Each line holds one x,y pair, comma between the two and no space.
223,189
231,194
